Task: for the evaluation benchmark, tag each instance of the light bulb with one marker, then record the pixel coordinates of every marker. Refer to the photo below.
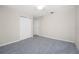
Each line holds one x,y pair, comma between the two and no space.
40,7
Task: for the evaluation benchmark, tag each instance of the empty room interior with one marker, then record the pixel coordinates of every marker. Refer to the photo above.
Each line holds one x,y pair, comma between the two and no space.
39,29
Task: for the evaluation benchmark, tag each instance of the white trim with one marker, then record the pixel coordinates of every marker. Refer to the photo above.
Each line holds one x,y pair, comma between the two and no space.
56,38
32,36
4,44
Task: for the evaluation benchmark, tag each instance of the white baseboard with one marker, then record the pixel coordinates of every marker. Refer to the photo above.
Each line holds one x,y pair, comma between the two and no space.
56,38
4,44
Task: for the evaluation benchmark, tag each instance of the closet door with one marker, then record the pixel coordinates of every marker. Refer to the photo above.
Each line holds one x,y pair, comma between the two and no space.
25,28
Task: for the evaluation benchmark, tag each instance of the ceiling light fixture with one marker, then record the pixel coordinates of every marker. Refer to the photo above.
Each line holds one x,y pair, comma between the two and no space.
40,7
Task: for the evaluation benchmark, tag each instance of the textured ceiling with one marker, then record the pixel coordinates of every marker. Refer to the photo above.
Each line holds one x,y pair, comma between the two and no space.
33,11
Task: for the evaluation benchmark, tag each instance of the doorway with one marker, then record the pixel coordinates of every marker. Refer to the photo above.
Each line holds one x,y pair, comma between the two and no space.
25,27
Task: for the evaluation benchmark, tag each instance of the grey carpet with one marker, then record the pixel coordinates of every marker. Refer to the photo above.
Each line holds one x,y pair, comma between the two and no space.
39,45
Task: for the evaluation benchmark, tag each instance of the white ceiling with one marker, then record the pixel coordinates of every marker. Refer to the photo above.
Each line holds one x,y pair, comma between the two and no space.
33,11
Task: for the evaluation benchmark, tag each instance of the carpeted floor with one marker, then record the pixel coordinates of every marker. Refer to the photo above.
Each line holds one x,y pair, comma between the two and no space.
39,45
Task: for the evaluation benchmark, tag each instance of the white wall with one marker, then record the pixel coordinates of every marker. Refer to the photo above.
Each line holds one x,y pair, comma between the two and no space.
77,27
36,26
60,25
9,25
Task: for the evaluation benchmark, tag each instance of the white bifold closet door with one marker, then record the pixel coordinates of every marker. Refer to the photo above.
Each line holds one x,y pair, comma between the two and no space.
25,28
